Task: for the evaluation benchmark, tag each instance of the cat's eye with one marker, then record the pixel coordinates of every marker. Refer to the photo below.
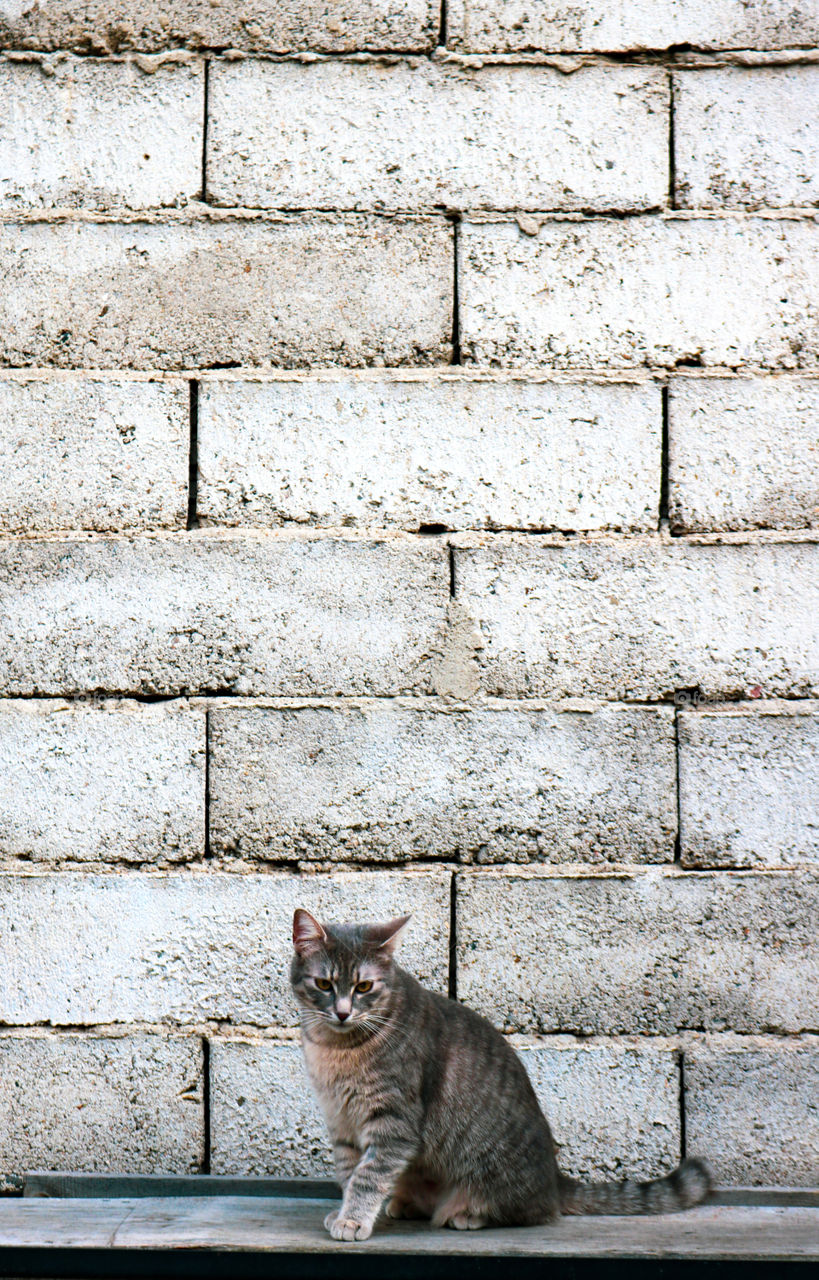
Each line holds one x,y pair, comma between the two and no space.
323,984
363,987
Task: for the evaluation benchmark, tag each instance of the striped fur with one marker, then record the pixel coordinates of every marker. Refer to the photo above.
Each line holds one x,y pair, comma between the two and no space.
428,1107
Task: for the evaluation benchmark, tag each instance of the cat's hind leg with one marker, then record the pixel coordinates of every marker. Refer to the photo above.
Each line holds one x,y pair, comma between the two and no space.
414,1197
460,1211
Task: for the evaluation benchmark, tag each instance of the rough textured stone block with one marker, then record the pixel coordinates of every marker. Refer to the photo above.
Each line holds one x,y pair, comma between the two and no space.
272,26
189,946
93,453
295,291
743,454
99,134
117,782
485,25
265,1119
753,1108
106,1104
412,135
654,951
644,291
401,780
613,1108
746,137
431,448
749,786
641,618
247,613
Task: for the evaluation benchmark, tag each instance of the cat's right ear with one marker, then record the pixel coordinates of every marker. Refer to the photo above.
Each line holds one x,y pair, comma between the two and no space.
308,935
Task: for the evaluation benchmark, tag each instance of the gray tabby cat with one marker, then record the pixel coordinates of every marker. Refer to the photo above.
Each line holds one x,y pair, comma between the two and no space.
427,1104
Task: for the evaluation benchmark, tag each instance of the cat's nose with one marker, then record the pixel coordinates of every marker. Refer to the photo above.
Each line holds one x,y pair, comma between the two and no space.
342,1014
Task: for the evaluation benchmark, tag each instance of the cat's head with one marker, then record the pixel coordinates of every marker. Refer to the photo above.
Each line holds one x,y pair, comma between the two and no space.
342,974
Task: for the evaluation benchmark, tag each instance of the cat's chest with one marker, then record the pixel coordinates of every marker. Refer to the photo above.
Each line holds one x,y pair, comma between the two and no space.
344,1089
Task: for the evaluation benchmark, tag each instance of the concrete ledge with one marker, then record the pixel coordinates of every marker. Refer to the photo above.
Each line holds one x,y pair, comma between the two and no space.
176,1231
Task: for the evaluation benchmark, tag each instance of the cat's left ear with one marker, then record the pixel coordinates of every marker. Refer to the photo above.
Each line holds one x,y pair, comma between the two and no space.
385,937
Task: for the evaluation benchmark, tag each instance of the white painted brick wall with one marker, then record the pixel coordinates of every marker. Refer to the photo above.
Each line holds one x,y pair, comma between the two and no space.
743,453
445,448
183,947
271,26
641,291
613,1108
95,134
120,782
93,453
400,781
651,951
749,785
296,291
753,1106
251,613
629,371
746,137
266,1119
413,135
484,25
130,1104
642,618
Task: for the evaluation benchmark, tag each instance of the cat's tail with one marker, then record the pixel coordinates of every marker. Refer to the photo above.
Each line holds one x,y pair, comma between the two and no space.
682,1189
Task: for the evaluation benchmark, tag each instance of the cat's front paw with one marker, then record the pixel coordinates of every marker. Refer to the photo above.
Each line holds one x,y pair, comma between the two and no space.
347,1228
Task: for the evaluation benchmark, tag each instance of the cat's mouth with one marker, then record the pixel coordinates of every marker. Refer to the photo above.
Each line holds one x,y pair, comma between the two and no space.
343,1027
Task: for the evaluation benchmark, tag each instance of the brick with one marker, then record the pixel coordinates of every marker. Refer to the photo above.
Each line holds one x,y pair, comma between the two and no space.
749,789
265,1119
407,450
641,291
752,1105
245,613
571,25
358,135
746,137
397,781
108,1104
188,946
292,291
93,453
639,952
642,618
743,454
614,1108
100,134
262,26
116,782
